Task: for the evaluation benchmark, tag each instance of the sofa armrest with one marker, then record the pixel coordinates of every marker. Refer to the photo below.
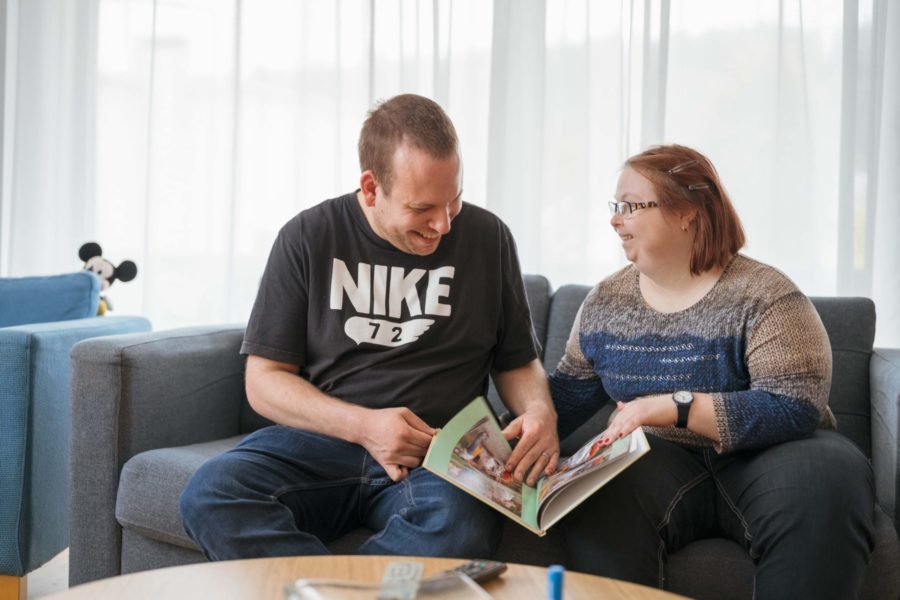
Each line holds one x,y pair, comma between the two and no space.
884,376
34,442
136,393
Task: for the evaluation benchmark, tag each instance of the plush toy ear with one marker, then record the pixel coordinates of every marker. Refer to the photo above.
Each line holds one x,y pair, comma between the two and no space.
89,251
125,271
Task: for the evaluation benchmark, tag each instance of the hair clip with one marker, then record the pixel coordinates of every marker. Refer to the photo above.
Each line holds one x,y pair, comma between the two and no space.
698,186
682,166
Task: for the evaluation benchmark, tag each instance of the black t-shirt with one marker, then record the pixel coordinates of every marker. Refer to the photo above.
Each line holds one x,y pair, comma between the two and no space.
375,326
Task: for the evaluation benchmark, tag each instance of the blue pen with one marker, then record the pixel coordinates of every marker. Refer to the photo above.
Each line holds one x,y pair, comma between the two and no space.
555,582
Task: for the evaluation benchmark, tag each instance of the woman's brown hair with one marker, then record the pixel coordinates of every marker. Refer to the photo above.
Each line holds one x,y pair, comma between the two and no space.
685,181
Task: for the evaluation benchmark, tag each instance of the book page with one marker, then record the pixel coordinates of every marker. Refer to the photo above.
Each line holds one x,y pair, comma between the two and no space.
589,457
572,487
471,452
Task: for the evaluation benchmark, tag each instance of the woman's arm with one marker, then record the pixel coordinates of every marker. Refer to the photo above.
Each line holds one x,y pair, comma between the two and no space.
659,410
789,362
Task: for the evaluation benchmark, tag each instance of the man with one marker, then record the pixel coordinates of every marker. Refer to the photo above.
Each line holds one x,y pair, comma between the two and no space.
375,322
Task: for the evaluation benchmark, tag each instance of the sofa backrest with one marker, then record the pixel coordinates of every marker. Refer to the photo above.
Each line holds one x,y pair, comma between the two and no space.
48,299
538,290
563,308
850,323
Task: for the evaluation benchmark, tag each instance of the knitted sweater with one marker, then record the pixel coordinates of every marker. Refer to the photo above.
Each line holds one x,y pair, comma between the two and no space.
754,342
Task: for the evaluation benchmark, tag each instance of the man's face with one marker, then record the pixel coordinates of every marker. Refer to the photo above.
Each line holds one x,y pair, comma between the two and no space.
425,197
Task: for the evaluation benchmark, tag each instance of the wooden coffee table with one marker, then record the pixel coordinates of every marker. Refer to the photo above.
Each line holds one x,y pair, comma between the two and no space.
265,578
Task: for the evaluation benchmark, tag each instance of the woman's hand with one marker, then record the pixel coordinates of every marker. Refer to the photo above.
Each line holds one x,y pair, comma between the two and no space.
656,411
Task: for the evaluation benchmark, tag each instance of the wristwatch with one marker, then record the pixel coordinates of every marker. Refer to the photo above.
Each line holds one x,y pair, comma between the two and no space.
683,400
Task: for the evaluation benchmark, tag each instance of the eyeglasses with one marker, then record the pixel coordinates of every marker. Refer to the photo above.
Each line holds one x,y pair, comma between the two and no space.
626,209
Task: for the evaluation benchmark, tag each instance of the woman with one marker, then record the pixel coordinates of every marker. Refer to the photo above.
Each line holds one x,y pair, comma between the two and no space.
726,365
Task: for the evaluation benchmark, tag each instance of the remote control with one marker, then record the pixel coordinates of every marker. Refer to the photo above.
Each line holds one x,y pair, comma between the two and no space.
481,571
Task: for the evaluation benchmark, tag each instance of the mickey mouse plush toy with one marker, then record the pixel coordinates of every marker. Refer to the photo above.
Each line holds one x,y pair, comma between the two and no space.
91,254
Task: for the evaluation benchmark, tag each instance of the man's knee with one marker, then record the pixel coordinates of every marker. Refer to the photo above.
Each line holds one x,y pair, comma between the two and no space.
461,526
473,530
452,526
198,497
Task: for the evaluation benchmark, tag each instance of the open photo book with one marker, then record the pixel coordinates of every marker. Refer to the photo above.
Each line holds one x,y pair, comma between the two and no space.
470,452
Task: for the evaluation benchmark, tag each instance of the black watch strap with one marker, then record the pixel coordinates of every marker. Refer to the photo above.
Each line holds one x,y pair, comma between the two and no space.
683,400
683,411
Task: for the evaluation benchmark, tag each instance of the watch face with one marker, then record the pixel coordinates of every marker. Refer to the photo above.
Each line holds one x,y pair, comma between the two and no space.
682,397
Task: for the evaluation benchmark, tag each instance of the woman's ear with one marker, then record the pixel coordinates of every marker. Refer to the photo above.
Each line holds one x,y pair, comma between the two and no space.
367,185
686,220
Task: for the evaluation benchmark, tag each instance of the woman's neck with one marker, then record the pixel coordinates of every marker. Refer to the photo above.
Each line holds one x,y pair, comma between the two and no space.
676,289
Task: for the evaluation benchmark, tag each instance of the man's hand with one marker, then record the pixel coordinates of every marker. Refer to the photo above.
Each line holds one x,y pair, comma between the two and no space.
397,439
538,449
524,390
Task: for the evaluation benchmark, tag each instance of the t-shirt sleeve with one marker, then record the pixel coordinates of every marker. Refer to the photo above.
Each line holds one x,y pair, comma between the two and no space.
277,326
517,342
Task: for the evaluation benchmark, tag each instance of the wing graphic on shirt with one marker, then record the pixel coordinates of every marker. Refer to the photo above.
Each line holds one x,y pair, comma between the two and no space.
385,333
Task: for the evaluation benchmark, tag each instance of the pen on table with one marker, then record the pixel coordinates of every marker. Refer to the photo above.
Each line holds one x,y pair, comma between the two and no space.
555,582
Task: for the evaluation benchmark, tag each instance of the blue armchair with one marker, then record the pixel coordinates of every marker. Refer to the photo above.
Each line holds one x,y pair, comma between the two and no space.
41,318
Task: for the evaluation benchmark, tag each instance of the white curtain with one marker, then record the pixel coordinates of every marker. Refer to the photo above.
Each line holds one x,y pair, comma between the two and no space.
886,255
214,122
221,120
47,197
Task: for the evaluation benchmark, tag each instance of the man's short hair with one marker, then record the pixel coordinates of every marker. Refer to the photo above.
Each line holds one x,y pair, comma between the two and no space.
685,180
410,119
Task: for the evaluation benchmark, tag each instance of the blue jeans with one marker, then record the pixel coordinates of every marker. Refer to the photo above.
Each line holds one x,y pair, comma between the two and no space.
284,492
803,510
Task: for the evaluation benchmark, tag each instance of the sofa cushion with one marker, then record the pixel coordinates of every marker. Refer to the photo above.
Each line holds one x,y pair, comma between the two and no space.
140,553
696,570
150,488
151,484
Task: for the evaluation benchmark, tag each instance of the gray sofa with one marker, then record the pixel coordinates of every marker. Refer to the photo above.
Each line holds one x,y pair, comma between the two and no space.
149,409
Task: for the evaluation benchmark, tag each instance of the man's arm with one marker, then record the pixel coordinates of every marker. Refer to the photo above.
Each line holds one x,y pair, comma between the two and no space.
525,391
395,437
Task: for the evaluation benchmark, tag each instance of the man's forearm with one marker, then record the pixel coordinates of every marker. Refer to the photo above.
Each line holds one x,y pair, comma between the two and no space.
395,437
288,399
524,388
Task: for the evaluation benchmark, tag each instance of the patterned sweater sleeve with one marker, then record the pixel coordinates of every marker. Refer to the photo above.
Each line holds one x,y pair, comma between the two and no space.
789,362
576,389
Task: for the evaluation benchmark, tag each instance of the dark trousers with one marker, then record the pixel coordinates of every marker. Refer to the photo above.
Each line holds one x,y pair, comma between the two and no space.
285,492
802,509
